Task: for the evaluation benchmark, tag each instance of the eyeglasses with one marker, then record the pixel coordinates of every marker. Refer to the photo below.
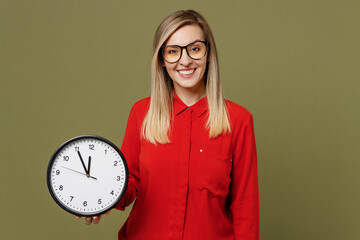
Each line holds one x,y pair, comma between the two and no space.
195,50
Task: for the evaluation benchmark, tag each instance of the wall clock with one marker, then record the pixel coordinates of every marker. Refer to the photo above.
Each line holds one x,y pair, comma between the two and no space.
87,175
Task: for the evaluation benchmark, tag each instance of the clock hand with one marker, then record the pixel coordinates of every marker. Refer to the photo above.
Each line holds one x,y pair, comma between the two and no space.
88,168
83,164
78,172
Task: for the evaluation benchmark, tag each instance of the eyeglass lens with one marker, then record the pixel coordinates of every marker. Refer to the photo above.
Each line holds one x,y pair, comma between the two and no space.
195,50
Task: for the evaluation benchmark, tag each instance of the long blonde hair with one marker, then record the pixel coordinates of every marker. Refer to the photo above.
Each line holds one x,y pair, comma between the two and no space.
156,124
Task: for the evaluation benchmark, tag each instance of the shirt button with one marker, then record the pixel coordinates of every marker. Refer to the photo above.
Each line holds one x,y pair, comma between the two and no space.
187,108
201,150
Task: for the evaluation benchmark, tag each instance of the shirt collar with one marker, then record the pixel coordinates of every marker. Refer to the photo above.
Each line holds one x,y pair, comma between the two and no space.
199,108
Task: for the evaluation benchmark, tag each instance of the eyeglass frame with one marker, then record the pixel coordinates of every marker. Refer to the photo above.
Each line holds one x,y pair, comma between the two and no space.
181,50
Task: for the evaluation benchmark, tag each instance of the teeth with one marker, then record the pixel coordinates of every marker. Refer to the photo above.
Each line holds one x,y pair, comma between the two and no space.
187,72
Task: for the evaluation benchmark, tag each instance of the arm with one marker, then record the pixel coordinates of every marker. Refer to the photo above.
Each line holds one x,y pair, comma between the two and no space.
131,150
244,198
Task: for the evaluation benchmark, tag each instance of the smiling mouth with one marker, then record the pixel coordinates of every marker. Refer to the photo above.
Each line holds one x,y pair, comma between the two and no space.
186,73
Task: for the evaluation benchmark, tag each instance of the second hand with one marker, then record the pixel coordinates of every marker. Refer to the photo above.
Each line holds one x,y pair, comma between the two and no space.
79,172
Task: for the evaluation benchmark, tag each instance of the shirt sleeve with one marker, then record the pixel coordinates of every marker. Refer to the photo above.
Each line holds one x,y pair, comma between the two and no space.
244,196
131,151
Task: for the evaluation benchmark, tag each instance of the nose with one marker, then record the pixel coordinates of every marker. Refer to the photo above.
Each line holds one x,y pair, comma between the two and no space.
185,60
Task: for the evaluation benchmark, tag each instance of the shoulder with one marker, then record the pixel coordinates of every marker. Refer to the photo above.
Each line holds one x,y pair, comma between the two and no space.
142,104
240,118
139,109
237,112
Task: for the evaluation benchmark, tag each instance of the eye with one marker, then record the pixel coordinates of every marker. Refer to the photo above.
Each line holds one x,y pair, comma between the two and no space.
195,49
172,51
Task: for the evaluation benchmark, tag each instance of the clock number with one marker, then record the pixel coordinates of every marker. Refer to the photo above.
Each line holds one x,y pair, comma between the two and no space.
99,201
61,187
66,158
118,178
112,192
115,163
91,146
57,172
77,149
105,151
85,203
71,198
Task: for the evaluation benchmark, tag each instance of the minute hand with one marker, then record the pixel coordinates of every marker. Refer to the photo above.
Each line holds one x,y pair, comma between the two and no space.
83,164
89,164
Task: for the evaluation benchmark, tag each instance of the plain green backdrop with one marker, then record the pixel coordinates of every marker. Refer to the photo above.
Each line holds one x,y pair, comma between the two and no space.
69,68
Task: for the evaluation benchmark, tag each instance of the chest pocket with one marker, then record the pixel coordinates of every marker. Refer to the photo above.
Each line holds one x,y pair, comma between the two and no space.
213,172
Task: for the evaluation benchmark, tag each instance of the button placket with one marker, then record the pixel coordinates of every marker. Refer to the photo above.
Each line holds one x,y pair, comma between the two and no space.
184,175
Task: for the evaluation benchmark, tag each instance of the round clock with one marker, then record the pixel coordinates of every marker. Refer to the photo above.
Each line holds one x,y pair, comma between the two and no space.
87,175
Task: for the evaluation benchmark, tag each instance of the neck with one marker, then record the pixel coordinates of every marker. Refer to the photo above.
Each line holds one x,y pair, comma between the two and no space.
190,97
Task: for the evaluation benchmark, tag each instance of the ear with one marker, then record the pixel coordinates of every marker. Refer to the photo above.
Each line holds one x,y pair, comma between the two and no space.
162,63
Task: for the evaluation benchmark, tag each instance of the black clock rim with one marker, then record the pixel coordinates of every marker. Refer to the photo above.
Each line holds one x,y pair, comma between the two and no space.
52,159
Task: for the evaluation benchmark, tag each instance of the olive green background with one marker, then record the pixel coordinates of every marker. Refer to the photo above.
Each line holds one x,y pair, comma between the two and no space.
69,68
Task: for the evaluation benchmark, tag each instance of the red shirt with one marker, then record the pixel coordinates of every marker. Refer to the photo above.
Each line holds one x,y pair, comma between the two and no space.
194,187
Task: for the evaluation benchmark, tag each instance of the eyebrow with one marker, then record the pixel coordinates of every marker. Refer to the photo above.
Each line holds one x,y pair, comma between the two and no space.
173,45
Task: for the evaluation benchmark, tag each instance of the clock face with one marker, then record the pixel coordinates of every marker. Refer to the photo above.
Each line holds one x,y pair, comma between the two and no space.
87,175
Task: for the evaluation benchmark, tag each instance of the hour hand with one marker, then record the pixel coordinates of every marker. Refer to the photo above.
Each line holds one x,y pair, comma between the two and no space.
82,162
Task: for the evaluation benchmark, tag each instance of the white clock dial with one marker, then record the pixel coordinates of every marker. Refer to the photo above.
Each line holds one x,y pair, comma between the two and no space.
87,175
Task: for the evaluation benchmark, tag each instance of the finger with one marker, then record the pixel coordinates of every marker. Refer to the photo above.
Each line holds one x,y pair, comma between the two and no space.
96,219
107,213
88,220
78,217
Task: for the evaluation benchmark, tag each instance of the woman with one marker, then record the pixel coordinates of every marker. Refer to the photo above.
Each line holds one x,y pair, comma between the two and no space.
191,154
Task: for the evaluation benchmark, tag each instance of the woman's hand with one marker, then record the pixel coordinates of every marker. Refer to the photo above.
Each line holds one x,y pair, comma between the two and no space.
94,219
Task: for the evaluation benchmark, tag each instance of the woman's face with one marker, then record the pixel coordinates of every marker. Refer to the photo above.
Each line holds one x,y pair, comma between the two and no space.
187,74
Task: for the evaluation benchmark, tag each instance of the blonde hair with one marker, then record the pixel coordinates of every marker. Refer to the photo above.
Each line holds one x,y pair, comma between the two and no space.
156,124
